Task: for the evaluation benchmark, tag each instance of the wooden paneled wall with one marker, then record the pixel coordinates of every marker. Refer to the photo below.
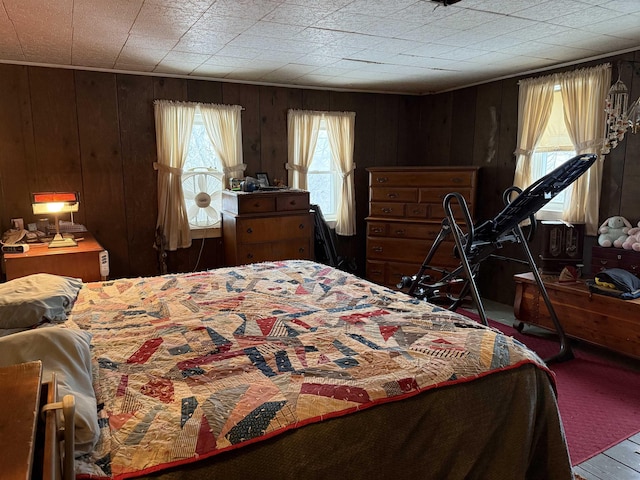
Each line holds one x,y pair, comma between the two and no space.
94,132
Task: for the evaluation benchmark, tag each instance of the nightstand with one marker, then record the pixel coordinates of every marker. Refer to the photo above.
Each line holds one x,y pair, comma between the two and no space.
19,408
81,261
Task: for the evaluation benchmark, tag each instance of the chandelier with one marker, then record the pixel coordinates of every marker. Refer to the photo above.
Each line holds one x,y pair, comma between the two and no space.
619,117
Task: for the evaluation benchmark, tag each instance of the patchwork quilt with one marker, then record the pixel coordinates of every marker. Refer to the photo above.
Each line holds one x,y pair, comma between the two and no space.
187,366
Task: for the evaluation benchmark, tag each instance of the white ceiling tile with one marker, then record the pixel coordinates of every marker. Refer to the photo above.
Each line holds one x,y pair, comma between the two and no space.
304,16
411,46
249,9
274,30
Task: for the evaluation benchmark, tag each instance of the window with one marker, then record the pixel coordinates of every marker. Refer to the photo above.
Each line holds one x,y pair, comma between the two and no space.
202,179
322,177
174,134
553,149
321,160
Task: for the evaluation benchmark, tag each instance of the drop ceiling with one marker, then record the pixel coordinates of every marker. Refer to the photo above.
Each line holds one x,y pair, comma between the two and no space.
398,46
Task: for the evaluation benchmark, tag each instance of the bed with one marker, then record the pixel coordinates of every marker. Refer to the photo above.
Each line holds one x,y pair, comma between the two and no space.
288,369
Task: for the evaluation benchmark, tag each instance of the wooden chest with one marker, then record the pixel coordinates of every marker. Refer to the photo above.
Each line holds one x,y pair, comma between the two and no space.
263,226
405,215
605,321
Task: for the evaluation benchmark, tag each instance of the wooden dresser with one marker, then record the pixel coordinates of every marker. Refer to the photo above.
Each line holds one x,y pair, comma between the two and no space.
405,215
603,258
270,225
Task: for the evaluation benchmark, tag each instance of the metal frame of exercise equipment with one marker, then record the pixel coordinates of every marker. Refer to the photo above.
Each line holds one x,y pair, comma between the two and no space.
474,244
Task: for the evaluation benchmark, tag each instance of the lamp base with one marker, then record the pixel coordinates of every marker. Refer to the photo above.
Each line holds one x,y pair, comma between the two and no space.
60,241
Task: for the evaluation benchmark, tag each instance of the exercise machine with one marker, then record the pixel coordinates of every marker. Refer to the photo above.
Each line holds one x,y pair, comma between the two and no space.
474,244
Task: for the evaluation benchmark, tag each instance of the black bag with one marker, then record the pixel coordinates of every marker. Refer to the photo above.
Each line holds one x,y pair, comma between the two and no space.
616,282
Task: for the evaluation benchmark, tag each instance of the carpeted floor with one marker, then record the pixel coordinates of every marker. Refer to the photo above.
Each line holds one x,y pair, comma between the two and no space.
599,398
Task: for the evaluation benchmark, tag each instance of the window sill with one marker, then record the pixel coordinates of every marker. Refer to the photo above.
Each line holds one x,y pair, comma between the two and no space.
213,232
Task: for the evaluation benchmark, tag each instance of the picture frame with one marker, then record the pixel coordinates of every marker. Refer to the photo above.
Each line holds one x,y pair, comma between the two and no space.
263,179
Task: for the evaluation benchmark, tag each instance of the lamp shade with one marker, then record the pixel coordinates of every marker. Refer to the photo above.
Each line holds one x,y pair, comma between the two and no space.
54,202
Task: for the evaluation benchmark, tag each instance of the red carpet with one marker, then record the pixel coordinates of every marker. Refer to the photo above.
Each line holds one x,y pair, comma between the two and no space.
599,398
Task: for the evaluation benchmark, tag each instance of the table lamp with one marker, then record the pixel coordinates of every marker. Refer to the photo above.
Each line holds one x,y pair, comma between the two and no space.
56,203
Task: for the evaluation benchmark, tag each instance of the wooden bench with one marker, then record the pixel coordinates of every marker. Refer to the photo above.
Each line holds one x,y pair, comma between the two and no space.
605,321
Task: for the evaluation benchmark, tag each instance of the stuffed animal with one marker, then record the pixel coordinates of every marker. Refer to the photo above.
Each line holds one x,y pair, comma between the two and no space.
613,232
633,240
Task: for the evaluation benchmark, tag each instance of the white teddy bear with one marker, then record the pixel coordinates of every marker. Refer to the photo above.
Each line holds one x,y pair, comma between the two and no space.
613,232
633,240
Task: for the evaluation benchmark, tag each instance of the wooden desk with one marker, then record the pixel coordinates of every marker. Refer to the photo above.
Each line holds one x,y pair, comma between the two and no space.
19,408
605,321
81,261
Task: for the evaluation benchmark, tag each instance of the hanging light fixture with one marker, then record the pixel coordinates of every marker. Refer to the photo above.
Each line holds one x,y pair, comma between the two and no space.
619,118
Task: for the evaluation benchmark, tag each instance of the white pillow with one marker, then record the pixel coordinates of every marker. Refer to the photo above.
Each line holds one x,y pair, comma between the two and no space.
65,352
26,301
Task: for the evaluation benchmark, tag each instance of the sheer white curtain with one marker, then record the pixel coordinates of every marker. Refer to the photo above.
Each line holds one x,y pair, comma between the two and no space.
341,132
303,127
534,109
174,121
224,127
584,93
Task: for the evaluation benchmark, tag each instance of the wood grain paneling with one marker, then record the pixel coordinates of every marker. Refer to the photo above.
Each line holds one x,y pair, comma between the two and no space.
204,92
102,169
17,152
55,131
248,96
274,104
138,143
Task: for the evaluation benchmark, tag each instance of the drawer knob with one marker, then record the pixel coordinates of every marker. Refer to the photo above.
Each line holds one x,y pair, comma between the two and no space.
377,249
382,179
392,195
249,255
249,230
387,210
377,230
292,202
603,262
301,226
400,232
301,250
376,272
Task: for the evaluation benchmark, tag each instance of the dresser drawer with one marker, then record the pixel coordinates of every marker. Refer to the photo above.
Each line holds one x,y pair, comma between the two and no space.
424,231
407,250
247,203
293,249
415,178
416,210
273,229
379,209
292,201
436,195
436,212
385,194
